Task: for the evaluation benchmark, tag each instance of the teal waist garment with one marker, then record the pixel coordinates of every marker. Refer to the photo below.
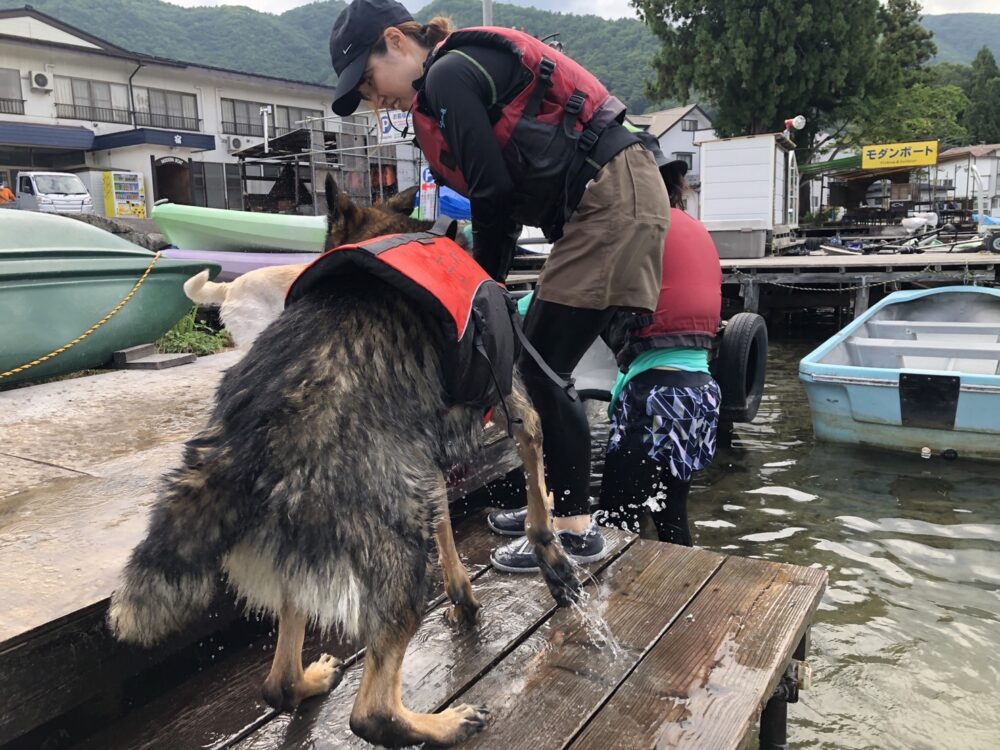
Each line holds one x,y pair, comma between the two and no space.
523,303
689,359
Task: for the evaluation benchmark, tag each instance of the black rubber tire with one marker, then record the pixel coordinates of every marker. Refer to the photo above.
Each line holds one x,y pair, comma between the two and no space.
995,245
741,366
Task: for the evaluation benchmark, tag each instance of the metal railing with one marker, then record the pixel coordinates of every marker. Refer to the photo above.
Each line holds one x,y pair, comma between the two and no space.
170,122
255,129
11,106
95,114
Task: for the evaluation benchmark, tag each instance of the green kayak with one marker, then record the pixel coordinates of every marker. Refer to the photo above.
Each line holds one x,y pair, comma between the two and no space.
196,228
59,276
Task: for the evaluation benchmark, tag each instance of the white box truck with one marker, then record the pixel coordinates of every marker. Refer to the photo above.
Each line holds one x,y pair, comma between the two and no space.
749,193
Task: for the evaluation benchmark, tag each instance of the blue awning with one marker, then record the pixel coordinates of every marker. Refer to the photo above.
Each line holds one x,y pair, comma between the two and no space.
140,136
46,136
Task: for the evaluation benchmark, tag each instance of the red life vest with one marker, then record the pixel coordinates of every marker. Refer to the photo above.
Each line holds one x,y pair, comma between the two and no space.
561,110
690,305
474,312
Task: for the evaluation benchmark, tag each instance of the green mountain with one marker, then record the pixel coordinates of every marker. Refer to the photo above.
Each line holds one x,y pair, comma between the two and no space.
959,36
294,44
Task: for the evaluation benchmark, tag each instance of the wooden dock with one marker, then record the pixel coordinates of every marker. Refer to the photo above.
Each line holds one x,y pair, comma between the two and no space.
798,281
704,639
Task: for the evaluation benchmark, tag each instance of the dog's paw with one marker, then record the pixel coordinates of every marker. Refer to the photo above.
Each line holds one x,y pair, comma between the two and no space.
466,720
320,677
462,616
559,575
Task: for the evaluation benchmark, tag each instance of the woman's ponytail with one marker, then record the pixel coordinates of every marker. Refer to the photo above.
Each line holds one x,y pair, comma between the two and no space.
436,30
427,35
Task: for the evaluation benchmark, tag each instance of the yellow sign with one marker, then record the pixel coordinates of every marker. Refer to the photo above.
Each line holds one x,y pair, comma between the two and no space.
889,155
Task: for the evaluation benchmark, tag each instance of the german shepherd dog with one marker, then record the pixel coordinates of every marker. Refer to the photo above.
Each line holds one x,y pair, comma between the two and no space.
317,487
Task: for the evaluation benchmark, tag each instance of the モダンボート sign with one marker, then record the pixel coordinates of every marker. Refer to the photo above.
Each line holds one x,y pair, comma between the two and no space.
888,155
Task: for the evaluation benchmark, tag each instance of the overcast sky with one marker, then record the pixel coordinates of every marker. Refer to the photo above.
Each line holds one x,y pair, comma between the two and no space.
606,8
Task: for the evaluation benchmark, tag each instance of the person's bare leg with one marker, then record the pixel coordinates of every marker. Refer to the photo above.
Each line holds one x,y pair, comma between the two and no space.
379,716
288,684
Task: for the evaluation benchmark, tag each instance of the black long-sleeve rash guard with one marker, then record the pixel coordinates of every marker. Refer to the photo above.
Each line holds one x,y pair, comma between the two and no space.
461,90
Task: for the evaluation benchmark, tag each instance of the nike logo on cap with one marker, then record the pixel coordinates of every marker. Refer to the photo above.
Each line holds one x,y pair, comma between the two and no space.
348,48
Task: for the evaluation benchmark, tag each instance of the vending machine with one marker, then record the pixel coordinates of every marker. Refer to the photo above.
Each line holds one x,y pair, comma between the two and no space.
124,194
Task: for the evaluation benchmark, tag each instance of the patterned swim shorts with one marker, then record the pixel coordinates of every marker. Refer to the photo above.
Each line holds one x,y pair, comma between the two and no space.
674,417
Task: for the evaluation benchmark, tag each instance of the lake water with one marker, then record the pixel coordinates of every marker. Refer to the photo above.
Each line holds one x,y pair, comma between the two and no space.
906,643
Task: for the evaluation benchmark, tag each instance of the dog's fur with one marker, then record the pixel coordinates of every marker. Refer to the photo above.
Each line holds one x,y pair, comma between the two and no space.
250,303
317,488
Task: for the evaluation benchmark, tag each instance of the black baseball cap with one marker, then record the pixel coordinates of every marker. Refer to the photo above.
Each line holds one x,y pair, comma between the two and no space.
356,29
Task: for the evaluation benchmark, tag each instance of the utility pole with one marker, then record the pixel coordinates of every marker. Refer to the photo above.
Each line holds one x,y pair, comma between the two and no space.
487,12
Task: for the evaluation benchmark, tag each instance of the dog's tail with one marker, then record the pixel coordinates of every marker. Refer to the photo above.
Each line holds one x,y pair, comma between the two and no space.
201,291
172,574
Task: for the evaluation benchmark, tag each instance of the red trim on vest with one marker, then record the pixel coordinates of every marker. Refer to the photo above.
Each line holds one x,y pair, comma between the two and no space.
690,299
569,76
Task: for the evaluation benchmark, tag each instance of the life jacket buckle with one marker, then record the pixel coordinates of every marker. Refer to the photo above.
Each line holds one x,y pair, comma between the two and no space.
588,139
574,105
546,68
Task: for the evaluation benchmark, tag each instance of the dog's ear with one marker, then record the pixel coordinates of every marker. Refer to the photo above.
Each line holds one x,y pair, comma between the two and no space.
402,202
331,202
341,214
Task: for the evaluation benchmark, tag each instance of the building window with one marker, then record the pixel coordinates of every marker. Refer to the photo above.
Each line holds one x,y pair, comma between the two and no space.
11,102
242,118
99,101
166,109
687,158
287,119
689,125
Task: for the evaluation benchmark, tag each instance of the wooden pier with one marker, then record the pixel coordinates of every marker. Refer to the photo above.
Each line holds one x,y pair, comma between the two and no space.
803,281
704,640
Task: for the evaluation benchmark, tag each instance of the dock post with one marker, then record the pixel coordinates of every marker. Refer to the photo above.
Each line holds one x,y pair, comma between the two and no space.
773,733
750,292
861,298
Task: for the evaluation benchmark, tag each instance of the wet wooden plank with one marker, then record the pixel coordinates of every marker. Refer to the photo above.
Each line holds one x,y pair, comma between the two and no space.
706,680
222,703
439,664
554,681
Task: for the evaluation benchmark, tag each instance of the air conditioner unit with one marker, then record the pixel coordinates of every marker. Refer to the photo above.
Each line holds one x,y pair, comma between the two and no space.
237,143
40,81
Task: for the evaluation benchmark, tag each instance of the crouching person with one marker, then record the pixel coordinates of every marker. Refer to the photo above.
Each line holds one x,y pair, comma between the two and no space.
665,405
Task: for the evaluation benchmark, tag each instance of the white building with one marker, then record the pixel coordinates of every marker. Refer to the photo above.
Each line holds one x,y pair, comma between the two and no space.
70,101
679,131
955,179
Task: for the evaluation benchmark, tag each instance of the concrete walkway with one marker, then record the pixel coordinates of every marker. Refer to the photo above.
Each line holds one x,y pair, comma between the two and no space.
80,465
70,427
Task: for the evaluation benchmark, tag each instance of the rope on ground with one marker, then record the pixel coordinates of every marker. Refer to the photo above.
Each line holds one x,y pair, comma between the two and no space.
115,310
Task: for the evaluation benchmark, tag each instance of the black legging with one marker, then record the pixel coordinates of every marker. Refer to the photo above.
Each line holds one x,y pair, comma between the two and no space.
630,479
562,335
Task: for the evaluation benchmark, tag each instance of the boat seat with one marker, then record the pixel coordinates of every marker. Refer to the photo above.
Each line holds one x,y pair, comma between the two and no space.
918,329
935,355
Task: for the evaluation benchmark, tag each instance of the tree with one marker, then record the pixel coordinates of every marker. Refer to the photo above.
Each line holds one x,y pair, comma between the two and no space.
983,118
763,63
904,48
952,74
903,101
921,112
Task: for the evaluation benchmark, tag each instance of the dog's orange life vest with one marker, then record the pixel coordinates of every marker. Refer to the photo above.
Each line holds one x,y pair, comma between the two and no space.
476,317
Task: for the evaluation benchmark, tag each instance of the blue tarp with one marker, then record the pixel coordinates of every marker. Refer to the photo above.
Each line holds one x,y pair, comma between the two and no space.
451,204
988,220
